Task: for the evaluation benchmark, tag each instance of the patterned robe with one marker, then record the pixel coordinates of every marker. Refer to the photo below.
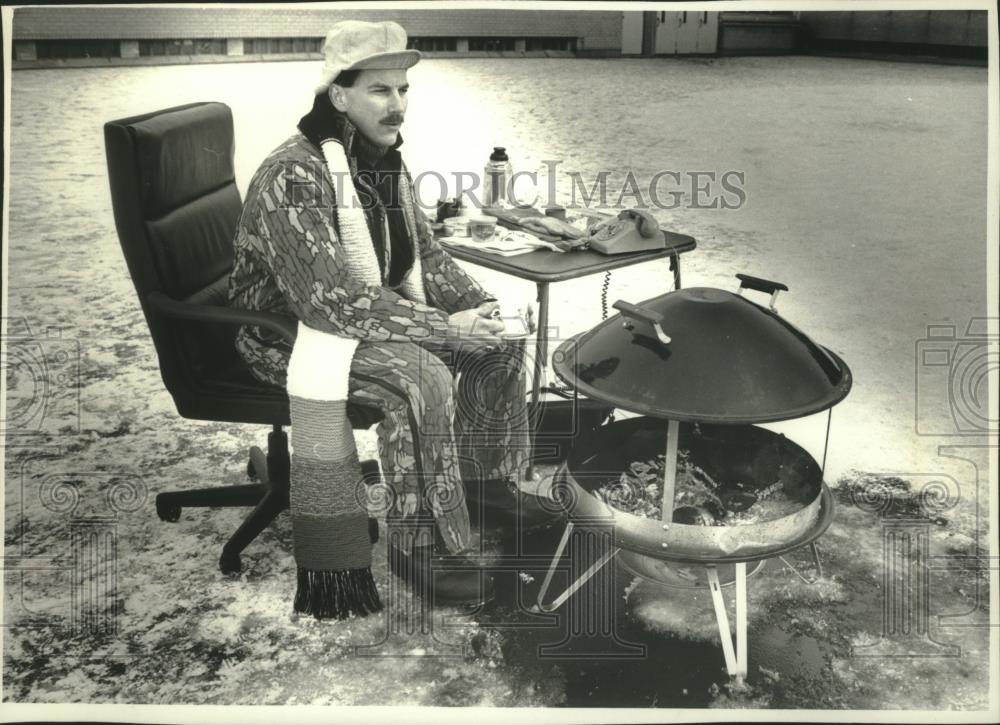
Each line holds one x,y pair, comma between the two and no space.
289,260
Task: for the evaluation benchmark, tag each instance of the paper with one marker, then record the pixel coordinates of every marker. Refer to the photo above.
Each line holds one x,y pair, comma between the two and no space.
503,243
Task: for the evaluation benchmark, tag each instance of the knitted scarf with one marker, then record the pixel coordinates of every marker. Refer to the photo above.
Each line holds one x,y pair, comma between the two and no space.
329,524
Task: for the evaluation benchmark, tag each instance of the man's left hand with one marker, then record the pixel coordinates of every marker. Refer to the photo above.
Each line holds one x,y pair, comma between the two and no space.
488,308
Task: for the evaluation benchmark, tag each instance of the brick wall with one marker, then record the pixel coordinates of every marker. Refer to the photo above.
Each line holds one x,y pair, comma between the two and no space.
600,30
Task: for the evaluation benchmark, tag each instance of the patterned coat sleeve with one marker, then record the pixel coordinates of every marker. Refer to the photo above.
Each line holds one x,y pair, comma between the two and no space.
446,284
302,248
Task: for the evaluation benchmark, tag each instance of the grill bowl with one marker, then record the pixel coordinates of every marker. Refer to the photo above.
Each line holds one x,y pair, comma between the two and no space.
728,453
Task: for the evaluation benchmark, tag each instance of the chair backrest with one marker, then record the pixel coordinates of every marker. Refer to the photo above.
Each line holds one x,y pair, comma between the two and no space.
176,208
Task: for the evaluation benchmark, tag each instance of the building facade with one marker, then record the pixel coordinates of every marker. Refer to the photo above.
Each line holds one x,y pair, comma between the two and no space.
109,35
165,34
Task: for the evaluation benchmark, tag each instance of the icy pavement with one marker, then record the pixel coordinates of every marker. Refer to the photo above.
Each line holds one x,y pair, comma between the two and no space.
865,193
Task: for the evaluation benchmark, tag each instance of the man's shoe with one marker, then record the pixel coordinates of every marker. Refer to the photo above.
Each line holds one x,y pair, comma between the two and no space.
503,503
455,581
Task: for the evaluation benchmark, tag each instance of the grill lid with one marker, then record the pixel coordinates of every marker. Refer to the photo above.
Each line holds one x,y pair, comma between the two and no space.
704,354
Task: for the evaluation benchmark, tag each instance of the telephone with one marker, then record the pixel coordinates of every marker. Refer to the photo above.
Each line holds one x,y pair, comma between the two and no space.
631,231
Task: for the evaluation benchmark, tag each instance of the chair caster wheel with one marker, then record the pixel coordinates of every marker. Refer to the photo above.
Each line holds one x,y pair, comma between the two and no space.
230,563
166,512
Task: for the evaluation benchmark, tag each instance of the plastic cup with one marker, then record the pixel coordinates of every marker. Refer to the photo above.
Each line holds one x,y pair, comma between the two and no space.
481,228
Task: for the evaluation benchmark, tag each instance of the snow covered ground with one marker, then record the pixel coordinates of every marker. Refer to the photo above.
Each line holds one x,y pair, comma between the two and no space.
865,192
865,188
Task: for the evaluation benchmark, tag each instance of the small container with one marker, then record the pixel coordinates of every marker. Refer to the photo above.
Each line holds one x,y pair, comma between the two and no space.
456,227
496,176
481,228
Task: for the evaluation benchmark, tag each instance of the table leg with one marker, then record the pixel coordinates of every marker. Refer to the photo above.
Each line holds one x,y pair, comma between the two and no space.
541,363
675,266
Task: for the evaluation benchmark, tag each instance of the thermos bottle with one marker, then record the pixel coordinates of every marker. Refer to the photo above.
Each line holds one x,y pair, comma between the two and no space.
497,175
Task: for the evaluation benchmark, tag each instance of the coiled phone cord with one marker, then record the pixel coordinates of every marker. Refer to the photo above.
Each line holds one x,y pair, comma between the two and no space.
604,294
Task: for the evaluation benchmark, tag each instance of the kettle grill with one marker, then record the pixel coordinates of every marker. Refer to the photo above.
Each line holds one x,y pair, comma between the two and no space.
702,368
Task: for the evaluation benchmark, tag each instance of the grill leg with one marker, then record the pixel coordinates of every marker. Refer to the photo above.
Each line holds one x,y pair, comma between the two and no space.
736,657
741,619
581,580
670,472
817,562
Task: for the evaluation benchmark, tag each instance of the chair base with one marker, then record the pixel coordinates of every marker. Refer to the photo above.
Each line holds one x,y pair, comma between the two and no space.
269,497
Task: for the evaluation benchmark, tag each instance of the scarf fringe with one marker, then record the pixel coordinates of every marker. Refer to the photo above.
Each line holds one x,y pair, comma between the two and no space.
336,594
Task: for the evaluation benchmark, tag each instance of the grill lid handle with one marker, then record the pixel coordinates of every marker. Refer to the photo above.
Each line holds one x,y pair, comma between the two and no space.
634,313
761,285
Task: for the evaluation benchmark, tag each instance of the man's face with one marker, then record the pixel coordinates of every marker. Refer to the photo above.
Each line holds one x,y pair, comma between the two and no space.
376,103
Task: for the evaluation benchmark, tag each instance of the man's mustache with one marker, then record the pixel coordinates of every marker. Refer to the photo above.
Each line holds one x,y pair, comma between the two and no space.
394,119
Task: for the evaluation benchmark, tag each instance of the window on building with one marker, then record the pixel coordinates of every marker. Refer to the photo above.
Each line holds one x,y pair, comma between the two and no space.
184,46
491,44
76,48
272,46
213,46
435,44
550,44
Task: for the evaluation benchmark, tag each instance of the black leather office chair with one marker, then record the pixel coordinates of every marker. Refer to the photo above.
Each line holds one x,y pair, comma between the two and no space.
176,208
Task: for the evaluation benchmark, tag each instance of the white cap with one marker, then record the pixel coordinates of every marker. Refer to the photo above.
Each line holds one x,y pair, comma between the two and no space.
359,45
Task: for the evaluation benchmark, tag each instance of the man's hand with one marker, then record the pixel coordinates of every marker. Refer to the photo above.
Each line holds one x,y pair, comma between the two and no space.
473,325
488,308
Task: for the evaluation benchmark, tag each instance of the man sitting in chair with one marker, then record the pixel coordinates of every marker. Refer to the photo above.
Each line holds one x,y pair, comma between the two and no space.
380,279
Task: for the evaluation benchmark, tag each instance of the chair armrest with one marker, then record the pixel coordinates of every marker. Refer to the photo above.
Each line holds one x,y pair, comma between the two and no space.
162,304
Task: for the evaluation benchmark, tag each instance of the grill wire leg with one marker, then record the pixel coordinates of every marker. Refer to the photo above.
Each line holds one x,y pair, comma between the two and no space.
581,580
736,657
817,562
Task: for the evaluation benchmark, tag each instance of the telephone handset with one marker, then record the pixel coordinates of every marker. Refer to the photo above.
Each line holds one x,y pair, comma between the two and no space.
632,230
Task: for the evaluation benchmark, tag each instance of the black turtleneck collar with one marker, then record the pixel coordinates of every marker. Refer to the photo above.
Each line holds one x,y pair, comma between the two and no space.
324,122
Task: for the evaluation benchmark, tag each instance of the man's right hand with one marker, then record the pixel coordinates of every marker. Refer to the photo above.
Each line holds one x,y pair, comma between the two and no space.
471,325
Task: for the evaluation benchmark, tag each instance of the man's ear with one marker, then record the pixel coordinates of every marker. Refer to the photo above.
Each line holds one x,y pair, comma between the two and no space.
336,94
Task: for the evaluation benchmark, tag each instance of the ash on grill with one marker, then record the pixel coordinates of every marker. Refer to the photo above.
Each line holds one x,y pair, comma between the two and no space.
699,499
